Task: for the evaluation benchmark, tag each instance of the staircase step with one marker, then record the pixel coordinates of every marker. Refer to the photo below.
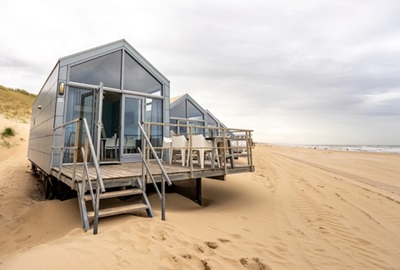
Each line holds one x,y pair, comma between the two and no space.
114,194
118,210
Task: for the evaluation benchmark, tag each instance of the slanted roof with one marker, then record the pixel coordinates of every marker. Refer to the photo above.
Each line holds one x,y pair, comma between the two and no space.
215,118
176,101
86,55
173,99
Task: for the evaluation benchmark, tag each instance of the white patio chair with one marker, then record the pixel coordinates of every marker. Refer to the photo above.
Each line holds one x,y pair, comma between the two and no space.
201,145
167,143
111,145
179,143
130,145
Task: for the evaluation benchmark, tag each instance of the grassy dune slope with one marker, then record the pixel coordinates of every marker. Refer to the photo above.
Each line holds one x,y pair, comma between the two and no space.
15,103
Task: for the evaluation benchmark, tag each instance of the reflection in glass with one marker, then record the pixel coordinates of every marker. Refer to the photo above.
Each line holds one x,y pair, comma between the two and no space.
131,129
179,110
136,78
211,123
154,115
80,105
106,69
193,112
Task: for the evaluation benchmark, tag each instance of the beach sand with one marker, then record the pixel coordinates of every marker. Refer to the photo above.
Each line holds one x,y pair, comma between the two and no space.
301,209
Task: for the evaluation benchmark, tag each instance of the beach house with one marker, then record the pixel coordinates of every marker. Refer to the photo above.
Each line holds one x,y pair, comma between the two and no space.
184,110
99,125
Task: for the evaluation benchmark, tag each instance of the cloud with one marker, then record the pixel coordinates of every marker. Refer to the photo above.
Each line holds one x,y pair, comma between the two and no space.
306,72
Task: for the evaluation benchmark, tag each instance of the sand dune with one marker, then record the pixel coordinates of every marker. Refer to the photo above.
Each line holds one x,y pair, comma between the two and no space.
301,209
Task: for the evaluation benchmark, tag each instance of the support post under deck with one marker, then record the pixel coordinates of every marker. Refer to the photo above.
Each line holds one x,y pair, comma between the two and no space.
198,199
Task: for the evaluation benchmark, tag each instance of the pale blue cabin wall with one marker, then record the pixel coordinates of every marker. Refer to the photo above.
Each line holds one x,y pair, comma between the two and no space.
42,123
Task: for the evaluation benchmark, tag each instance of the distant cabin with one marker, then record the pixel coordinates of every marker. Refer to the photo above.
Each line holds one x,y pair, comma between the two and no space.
184,110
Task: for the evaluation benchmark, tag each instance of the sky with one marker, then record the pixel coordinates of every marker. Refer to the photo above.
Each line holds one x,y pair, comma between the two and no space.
295,72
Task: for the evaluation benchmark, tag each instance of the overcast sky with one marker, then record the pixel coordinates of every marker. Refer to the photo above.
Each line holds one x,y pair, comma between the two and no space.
306,72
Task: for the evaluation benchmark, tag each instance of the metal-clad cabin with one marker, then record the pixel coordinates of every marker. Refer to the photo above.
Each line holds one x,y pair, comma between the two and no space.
98,126
184,110
134,91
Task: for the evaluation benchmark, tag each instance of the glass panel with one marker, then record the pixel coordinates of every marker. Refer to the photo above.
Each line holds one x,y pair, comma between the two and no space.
131,129
154,114
179,110
80,105
182,130
211,123
106,69
111,126
136,78
174,128
111,113
193,112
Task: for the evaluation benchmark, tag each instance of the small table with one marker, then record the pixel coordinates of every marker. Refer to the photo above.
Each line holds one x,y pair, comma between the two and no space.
216,142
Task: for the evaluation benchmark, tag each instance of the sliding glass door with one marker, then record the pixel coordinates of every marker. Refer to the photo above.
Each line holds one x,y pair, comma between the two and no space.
132,114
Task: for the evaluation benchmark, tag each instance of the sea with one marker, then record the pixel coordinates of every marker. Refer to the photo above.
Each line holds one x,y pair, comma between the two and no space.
394,149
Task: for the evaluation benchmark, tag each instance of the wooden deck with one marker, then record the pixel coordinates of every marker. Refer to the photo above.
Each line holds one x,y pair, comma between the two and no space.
122,174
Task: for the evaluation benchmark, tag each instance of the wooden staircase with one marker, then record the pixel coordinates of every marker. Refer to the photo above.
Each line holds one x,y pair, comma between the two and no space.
122,207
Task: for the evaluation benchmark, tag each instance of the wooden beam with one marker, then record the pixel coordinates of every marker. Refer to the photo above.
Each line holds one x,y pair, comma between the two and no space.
199,198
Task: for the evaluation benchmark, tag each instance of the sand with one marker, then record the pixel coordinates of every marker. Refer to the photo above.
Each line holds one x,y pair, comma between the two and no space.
301,209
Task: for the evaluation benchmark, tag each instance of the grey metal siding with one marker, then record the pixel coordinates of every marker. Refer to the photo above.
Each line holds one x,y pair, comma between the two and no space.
42,123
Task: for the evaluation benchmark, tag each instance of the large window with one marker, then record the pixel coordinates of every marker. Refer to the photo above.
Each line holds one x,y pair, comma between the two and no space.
186,113
179,110
154,115
106,69
193,112
80,105
136,78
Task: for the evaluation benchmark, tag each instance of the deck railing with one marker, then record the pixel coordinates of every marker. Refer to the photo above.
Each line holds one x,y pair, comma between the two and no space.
86,148
229,144
146,170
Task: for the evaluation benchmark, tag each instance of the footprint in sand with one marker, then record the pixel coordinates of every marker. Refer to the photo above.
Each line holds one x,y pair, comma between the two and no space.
160,237
254,263
206,265
212,245
199,249
187,256
222,240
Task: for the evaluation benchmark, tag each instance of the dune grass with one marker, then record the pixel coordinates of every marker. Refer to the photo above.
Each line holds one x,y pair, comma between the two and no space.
8,132
15,103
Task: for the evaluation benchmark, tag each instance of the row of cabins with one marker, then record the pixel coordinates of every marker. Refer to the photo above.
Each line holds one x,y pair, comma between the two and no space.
100,125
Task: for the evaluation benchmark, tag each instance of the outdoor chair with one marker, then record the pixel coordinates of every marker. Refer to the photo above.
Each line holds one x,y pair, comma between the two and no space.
201,146
179,144
167,143
130,145
111,145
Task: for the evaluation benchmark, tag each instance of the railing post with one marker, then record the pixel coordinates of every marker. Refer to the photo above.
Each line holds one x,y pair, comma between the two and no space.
224,152
163,198
190,154
76,143
99,122
250,150
61,151
147,148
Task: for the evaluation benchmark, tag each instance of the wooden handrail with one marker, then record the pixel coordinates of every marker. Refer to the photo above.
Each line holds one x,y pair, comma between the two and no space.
164,175
89,146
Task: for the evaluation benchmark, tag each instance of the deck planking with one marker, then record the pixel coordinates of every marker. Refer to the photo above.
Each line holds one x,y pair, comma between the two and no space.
112,173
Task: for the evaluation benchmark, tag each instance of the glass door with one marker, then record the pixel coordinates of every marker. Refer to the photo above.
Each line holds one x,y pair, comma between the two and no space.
111,127
132,114
81,103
